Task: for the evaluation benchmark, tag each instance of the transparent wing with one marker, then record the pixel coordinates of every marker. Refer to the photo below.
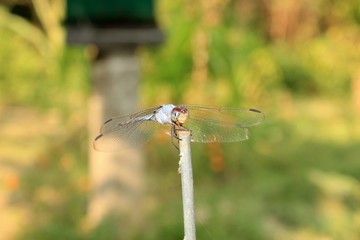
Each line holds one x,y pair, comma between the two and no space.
212,124
242,117
213,132
126,131
113,124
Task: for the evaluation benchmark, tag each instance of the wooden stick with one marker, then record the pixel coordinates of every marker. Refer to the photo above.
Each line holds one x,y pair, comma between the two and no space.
187,184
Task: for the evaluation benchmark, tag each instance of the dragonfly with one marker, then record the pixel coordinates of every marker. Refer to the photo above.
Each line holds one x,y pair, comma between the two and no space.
207,124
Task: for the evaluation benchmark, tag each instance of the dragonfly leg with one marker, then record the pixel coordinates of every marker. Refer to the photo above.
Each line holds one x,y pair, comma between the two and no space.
174,135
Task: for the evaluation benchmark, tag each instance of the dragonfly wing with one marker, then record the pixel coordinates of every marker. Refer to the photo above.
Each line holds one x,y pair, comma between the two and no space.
127,136
114,123
211,124
126,131
215,132
241,117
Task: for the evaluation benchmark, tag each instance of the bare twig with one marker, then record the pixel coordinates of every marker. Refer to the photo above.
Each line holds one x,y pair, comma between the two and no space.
187,184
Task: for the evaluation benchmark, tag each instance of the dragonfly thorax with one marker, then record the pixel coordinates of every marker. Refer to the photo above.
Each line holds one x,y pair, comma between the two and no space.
163,114
179,115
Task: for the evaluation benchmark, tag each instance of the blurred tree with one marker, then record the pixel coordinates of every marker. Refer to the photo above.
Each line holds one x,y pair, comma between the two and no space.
237,51
34,56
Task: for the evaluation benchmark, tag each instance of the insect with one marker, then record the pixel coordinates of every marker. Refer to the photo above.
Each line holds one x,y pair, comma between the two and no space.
207,124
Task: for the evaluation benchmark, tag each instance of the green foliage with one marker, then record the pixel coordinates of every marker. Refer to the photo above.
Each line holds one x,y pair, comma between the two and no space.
239,54
35,72
296,178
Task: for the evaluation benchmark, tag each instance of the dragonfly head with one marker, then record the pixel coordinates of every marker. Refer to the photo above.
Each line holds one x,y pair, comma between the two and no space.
179,115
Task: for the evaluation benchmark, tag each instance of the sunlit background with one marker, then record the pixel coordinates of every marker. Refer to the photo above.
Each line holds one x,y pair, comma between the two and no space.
298,177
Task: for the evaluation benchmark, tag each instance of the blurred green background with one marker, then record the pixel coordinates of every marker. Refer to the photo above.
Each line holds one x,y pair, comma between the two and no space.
296,178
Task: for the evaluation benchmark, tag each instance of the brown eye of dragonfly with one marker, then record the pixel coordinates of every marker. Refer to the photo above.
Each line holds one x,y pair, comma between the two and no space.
183,114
